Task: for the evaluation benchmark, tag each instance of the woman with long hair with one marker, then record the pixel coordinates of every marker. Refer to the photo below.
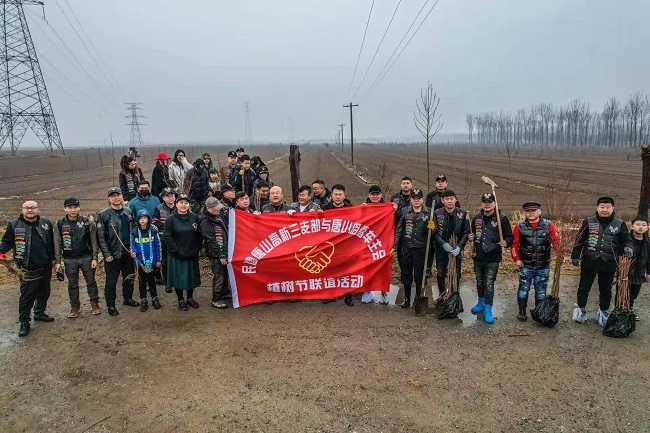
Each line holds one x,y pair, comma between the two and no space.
130,176
184,241
160,176
207,161
177,169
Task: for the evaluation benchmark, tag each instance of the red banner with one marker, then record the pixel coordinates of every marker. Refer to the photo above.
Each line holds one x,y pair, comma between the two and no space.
319,255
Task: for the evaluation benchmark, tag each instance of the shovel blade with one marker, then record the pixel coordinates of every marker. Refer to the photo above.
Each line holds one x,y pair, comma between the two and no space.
421,305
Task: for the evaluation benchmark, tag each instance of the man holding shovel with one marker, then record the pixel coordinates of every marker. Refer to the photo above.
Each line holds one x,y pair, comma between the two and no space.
411,234
490,234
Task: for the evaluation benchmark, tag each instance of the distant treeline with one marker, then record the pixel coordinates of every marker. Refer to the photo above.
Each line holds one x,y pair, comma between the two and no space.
574,125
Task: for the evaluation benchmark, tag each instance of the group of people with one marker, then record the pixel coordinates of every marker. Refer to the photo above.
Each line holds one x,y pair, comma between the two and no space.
154,233
601,240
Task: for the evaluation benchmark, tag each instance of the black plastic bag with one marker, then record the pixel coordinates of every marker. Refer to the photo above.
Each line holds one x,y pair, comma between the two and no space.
452,307
620,324
547,312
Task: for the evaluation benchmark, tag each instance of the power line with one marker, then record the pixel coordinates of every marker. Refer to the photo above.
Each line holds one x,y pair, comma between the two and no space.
361,49
92,45
380,76
78,62
83,42
377,50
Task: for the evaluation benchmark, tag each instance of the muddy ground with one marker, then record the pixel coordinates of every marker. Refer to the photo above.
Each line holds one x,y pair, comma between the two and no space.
309,367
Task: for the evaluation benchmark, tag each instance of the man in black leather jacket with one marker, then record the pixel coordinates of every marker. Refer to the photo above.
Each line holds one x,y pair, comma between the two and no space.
114,236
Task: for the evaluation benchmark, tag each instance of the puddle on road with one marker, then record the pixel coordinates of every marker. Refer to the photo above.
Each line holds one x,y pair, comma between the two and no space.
467,294
6,342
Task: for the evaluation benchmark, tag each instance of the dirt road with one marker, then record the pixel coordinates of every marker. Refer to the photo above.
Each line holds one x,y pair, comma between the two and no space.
309,367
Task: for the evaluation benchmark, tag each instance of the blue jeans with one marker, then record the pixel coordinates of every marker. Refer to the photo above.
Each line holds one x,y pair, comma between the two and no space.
538,277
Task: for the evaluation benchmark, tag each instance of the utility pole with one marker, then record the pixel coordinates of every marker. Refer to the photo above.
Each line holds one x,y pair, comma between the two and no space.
136,135
341,135
24,102
351,131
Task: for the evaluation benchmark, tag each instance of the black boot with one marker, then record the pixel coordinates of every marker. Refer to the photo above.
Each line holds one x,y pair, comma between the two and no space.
406,303
24,329
523,304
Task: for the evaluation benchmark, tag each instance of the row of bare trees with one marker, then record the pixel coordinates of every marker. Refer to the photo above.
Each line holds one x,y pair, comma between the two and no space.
573,125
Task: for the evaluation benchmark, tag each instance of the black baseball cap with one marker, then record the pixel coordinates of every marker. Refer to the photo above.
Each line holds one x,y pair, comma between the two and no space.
448,193
488,196
416,192
114,190
441,177
71,202
232,153
167,191
227,187
240,149
374,189
182,197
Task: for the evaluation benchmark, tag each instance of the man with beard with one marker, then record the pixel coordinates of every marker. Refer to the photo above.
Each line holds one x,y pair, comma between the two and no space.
31,238
601,240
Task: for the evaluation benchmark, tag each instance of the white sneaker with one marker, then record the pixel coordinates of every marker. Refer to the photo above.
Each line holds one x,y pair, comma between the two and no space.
579,314
602,317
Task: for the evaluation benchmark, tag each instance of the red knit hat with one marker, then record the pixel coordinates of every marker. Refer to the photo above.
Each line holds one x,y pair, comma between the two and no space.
162,156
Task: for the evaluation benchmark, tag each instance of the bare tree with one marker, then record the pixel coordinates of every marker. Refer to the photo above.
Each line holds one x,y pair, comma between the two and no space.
111,152
427,121
470,126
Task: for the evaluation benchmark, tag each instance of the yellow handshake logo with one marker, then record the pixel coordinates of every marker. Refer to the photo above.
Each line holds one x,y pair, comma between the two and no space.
314,259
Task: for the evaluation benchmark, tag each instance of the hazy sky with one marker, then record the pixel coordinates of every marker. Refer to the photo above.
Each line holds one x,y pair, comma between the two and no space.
193,63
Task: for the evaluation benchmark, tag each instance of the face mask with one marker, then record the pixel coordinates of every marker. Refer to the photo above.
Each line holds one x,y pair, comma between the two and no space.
146,193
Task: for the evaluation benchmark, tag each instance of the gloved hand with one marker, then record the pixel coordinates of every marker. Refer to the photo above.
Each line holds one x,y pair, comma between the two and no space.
455,251
447,247
291,211
431,225
628,252
575,262
256,212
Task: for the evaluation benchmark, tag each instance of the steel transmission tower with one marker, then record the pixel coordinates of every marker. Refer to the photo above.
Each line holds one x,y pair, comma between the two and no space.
24,102
136,135
248,136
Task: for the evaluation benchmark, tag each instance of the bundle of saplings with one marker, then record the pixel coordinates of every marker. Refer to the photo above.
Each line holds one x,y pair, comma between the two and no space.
622,321
547,312
452,305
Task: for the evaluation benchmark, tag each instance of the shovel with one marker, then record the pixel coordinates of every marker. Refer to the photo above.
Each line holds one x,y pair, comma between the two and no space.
421,303
494,185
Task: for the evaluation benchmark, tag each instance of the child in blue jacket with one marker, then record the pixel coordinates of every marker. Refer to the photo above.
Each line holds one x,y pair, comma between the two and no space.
145,247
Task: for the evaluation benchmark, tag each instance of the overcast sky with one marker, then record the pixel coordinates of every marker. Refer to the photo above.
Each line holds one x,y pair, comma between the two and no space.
193,63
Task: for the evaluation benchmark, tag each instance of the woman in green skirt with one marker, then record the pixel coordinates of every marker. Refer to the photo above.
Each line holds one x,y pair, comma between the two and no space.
183,240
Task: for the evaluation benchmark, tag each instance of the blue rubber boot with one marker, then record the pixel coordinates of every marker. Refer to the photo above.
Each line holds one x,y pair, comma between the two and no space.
480,306
487,315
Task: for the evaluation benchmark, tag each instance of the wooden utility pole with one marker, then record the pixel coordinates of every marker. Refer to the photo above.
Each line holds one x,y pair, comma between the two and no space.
351,131
341,135
294,169
644,200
